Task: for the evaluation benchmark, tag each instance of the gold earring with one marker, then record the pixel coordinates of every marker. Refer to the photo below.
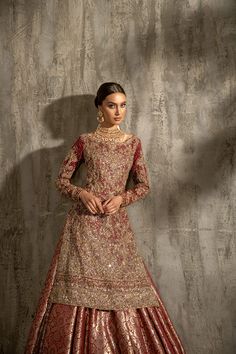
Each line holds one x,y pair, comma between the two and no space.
100,117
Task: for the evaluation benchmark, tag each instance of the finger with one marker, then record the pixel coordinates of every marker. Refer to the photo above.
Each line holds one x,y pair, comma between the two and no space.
110,204
108,210
111,211
111,207
91,208
99,206
106,202
94,205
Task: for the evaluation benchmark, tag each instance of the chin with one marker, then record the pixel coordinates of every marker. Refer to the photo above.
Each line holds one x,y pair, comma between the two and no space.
119,122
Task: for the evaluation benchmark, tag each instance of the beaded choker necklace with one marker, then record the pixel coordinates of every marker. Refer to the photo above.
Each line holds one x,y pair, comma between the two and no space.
113,133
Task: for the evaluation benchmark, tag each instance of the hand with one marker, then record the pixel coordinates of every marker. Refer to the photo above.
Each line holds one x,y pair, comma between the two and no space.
112,204
92,203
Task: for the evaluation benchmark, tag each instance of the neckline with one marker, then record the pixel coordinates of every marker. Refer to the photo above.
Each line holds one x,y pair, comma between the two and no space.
112,129
111,141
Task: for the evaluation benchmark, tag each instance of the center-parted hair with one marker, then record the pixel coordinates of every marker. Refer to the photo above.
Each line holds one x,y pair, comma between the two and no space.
106,89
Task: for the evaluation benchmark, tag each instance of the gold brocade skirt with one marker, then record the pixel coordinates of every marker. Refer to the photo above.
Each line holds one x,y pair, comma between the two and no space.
66,329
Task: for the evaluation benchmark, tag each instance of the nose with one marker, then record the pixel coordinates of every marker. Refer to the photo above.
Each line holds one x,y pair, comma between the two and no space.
117,111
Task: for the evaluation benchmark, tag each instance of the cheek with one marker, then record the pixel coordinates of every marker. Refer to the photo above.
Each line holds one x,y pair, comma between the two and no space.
109,112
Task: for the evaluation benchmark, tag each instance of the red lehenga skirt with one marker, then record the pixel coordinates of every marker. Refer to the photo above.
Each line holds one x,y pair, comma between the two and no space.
66,329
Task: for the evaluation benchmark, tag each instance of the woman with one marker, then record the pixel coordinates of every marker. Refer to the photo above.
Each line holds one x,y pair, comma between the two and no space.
99,296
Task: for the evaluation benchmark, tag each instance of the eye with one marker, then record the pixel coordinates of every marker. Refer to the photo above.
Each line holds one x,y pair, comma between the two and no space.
111,105
123,105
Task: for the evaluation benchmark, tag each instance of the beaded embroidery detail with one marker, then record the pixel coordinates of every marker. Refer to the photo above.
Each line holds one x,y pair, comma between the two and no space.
99,264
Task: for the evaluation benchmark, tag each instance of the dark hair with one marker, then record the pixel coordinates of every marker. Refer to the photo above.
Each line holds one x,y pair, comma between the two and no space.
106,89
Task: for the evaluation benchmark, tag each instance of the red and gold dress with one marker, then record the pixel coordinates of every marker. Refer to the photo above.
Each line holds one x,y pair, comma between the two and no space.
99,296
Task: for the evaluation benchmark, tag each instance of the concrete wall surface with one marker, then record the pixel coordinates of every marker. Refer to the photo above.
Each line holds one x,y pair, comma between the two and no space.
176,61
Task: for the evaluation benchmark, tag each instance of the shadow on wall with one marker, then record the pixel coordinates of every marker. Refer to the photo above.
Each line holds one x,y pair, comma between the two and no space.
34,214
199,50
199,47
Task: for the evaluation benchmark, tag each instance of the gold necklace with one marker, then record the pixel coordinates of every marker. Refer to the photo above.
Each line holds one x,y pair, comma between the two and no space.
113,133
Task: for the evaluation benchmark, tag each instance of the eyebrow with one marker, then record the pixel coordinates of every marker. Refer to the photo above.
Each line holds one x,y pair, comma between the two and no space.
115,103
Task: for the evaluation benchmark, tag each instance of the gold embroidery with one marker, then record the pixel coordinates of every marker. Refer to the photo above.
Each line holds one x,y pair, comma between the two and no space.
99,264
112,134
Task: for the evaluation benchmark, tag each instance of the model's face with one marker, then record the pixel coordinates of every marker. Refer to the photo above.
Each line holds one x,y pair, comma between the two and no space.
114,109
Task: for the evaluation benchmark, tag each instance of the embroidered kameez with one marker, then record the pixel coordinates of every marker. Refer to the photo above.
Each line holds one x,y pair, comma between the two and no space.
99,296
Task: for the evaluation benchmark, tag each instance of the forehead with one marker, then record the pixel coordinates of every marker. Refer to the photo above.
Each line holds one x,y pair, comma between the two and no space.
116,97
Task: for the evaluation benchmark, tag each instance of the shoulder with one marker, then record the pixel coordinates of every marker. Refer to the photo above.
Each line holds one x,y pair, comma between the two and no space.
78,144
130,135
135,136
83,136
137,140
80,139
138,147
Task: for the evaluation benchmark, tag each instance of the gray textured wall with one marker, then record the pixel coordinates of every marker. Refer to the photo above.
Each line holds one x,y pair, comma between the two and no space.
176,60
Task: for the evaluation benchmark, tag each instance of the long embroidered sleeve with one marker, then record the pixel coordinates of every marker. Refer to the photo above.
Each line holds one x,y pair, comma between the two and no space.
140,178
84,276
72,161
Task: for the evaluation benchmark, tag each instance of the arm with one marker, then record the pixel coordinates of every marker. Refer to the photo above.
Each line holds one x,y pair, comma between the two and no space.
73,159
140,178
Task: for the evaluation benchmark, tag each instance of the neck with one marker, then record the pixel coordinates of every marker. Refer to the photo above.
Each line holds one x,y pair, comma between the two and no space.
113,133
108,129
